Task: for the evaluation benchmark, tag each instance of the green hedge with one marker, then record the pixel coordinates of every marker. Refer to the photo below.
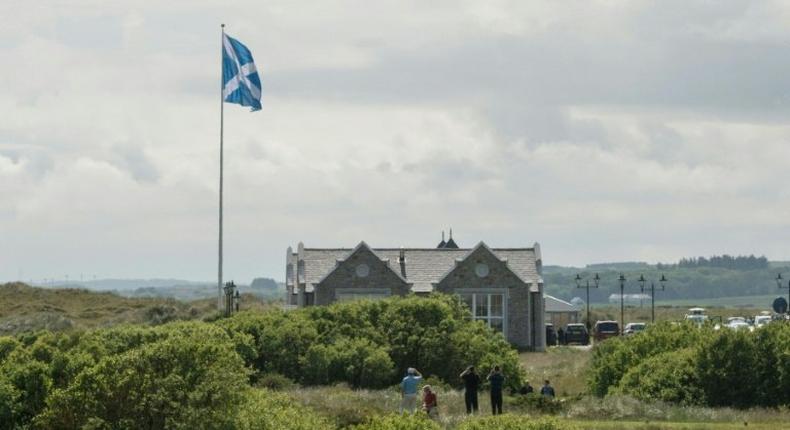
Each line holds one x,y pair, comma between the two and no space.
689,365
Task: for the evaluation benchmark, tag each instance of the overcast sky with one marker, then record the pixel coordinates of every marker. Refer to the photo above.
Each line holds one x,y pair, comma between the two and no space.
604,130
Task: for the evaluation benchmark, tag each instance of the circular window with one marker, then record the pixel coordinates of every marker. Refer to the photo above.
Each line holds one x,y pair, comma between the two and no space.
363,270
481,270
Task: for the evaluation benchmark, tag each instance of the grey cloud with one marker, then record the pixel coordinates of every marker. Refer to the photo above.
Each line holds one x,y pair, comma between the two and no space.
132,159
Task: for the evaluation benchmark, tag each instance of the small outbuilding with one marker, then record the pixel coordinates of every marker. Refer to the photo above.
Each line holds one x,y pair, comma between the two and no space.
559,312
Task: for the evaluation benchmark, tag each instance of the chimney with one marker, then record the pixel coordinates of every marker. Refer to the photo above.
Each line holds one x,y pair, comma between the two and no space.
402,261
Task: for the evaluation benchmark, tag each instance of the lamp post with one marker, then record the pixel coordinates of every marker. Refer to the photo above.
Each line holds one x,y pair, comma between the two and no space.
662,283
230,289
622,304
779,284
596,280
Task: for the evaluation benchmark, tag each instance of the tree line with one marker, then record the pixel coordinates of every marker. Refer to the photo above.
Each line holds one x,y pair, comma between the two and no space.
740,262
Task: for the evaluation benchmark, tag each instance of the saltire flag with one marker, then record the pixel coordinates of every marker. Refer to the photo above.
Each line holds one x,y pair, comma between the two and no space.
240,81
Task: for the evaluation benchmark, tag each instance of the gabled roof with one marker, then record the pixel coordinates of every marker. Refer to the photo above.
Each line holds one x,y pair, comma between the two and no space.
554,304
361,245
423,267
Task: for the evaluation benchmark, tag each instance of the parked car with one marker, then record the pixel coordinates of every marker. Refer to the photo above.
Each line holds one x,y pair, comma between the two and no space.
697,316
634,328
605,329
739,324
551,335
762,320
576,333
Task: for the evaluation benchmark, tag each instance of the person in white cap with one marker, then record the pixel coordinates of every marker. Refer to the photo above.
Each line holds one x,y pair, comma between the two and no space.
408,389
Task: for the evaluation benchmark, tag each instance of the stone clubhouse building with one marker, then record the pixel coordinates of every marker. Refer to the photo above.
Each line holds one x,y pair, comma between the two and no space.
502,286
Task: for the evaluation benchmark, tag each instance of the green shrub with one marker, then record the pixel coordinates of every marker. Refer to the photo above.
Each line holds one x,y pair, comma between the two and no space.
371,343
265,410
514,422
361,364
688,365
9,405
273,381
31,380
536,403
611,359
418,421
725,365
190,378
7,345
669,377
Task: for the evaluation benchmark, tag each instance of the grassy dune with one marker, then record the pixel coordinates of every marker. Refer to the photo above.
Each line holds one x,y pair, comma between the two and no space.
24,308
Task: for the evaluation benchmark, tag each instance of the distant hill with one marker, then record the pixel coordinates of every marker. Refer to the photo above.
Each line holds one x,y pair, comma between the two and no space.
263,288
24,308
684,283
123,284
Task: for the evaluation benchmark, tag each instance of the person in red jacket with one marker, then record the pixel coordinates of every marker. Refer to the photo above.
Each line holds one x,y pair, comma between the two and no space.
429,404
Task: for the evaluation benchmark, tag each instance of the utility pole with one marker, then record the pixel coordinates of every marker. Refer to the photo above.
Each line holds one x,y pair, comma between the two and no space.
596,280
622,304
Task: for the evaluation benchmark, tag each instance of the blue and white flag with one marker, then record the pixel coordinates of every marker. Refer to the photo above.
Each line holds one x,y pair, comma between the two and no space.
240,81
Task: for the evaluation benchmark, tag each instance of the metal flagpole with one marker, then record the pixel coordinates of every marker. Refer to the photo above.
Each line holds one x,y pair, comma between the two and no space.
221,132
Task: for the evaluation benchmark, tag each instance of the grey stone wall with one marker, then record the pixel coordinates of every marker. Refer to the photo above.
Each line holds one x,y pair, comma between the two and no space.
345,276
463,277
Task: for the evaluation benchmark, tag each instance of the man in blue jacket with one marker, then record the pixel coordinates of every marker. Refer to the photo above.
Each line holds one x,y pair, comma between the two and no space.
408,389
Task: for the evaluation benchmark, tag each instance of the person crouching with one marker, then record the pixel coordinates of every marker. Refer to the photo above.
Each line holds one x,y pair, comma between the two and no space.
429,404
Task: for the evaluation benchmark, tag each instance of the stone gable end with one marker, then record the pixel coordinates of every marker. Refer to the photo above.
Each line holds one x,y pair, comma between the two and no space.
463,277
345,277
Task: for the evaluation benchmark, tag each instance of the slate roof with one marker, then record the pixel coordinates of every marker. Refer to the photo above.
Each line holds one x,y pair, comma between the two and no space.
423,267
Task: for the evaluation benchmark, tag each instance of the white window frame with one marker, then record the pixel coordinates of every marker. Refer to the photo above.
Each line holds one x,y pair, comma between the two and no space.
488,292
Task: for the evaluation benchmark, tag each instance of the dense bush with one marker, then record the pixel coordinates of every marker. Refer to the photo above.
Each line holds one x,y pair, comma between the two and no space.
514,422
669,377
536,403
199,374
399,422
190,378
613,358
265,410
688,365
273,381
370,344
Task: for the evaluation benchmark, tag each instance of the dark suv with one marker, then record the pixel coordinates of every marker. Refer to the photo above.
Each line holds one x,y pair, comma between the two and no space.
606,329
576,333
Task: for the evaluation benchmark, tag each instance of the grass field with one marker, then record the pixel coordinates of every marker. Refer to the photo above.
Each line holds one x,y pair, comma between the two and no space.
563,366
566,368
346,407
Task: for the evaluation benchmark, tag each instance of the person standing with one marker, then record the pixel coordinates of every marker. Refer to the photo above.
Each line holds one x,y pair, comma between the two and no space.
547,390
471,383
496,379
408,389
